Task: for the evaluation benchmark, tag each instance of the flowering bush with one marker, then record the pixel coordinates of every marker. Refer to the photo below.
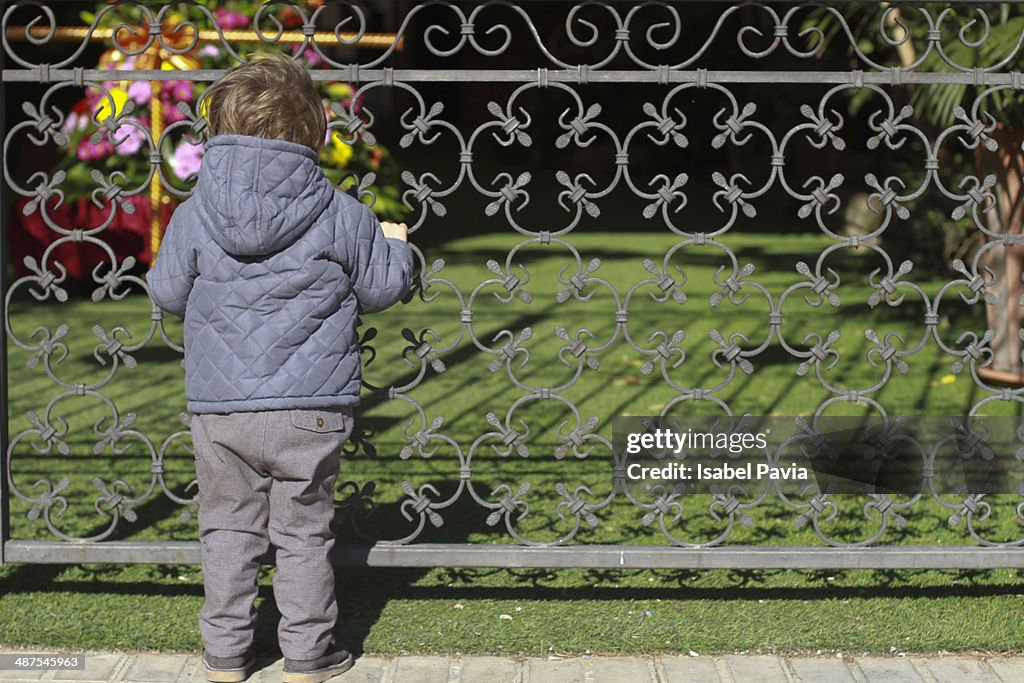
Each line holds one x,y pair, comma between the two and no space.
95,144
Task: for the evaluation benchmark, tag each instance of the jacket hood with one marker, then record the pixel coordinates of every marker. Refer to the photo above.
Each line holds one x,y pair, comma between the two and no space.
260,195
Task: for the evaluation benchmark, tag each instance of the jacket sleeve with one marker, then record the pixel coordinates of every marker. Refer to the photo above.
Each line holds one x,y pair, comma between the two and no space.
171,277
380,267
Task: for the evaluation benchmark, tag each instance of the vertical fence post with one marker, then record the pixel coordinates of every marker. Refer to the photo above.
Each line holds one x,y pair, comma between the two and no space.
5,508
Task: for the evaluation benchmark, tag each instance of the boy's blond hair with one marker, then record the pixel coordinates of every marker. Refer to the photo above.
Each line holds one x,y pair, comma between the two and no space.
269,97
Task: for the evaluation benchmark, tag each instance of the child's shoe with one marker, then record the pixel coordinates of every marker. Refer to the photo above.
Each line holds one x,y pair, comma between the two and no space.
228,669
332,663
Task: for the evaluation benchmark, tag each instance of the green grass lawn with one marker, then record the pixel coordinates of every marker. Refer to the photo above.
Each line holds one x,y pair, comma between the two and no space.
560,611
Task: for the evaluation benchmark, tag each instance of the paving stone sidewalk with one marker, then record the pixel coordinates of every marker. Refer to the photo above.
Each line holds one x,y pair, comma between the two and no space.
152,668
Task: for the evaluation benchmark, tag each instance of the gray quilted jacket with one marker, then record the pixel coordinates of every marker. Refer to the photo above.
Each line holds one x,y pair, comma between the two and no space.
270,265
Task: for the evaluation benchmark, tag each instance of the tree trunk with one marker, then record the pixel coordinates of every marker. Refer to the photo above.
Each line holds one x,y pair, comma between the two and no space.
1006,316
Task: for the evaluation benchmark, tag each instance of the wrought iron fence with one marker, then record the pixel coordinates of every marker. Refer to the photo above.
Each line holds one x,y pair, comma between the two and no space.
641,112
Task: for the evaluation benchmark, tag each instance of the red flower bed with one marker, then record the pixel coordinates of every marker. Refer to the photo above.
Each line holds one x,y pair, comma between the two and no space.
127,235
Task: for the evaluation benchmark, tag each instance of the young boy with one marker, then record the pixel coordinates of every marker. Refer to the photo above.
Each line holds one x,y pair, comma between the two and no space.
270,265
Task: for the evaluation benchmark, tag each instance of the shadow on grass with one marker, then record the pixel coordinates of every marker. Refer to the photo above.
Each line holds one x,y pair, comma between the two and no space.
397,583
377,586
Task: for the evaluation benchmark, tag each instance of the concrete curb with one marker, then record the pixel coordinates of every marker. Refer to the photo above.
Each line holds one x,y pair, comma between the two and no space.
113,667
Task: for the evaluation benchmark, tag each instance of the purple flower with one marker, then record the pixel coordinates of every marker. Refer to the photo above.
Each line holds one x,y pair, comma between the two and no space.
186,159
209,50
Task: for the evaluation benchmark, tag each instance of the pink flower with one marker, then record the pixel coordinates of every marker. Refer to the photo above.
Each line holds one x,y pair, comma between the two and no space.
140,91
171,113
209,50
312,57
89,152
182,91
133,139
93,96
229,20
186,159
74,122
126,63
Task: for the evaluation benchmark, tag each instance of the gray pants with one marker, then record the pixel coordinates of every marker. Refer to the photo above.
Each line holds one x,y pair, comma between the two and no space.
268,478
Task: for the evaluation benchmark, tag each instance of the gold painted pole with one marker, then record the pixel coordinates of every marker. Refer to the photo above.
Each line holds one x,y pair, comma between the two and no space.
77,33
156,124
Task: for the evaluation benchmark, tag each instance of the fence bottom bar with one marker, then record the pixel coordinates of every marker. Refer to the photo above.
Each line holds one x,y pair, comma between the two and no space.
582,556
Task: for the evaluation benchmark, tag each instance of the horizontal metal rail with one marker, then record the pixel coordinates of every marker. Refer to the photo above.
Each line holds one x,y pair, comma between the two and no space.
890,77
578,556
